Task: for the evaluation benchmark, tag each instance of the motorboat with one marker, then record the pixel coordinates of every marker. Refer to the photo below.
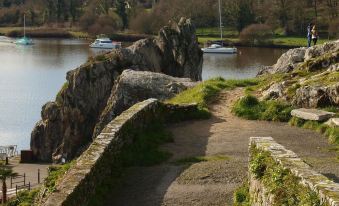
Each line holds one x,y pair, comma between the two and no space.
24,40
218,49
105,43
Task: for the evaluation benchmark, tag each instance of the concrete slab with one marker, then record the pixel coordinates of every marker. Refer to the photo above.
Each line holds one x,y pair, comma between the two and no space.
312,114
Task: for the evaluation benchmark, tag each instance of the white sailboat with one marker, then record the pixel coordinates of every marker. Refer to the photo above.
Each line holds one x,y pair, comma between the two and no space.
24,40
216,48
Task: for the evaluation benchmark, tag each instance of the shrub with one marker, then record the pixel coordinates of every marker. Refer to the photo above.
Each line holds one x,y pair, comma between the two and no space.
256,34
241,195
146,23
250,108
103,24
333,29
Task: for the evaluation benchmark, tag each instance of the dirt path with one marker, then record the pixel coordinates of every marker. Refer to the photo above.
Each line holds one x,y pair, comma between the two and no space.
225,139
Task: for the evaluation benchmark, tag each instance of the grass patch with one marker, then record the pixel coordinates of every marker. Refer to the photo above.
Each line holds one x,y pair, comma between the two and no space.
331,132
55,173
145,149
280,182
241,196
197,159
24,198
205,92
249,107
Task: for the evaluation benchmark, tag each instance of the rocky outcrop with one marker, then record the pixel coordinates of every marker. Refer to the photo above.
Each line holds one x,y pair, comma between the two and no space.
317,96
67,124
294,58
135,86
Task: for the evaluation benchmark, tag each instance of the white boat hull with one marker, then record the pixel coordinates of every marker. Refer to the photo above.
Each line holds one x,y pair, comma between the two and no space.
220,50
102,46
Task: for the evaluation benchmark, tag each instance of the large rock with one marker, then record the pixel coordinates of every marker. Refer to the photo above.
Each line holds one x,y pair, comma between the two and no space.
67,125
333,122
317,96
312,114
135,86
293,58
287,62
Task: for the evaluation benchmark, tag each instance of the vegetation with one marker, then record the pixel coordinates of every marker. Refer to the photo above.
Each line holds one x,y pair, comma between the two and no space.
24,198
205,92
55,173
241,195
280,181
249,107
5,173
143,152
331,132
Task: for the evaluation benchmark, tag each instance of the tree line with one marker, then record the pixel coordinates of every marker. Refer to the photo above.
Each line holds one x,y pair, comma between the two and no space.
147,16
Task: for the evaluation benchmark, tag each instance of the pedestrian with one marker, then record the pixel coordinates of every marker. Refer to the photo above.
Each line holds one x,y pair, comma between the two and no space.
309,34
315,35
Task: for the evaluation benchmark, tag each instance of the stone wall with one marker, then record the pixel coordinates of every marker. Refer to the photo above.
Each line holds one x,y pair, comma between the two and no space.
326,190
101,159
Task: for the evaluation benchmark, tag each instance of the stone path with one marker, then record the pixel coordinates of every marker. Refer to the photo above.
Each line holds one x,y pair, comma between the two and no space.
213,182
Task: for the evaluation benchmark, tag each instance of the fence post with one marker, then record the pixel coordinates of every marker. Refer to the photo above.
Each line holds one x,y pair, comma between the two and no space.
11,182
24,178
29,186
16,189
38,176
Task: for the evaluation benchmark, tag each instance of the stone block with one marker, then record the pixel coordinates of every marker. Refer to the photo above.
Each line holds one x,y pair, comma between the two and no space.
312,114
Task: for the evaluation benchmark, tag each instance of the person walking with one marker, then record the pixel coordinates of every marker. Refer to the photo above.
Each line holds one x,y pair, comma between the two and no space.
315,35
309,34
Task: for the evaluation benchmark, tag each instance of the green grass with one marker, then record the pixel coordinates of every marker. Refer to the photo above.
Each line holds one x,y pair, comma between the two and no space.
197,159
331,132
205,92
55,173
241,196
249,107
294,41
279,181
145,149
24,198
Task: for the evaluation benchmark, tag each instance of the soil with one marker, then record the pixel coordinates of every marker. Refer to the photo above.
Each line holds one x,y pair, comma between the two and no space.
224,138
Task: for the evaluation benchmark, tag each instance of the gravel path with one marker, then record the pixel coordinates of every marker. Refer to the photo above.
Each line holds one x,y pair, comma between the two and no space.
213,182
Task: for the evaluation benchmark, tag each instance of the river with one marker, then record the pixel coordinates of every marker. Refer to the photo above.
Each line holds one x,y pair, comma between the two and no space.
32,75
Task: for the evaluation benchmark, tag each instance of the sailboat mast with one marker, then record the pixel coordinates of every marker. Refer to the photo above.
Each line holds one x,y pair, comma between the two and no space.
24,25
220,22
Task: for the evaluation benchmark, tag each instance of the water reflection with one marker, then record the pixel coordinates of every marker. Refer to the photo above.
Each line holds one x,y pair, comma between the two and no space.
32,75
243,65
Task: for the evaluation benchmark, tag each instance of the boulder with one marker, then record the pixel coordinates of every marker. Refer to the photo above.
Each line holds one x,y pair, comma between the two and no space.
274,92
312,114
135,86
317,96
67,124
333,122
321,49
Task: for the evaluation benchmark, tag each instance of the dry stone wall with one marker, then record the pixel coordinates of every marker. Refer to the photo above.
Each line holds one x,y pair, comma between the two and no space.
326,190
100,160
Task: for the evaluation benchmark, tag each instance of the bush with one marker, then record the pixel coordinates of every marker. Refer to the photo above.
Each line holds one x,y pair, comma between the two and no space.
146,23
333,29
103,24
250,108
256,34
241,196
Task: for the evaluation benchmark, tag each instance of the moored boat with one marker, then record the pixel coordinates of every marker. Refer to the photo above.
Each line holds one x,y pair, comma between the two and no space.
24,40
105,43
217,49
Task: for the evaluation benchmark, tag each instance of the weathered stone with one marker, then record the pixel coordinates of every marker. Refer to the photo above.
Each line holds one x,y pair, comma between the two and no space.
312,114
321,49
317,96
136,86
67,125
326,190
287,62
274,92
333,122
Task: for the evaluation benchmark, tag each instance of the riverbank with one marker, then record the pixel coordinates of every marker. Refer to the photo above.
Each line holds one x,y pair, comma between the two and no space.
284,42
66,33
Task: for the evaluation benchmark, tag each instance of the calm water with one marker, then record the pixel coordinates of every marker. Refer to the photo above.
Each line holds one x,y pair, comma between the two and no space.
32,75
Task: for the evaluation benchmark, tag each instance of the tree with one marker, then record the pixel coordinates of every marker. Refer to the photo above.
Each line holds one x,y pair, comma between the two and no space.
5,173
121,10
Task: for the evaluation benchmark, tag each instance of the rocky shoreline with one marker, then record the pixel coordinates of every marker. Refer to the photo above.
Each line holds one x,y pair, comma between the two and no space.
94,92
